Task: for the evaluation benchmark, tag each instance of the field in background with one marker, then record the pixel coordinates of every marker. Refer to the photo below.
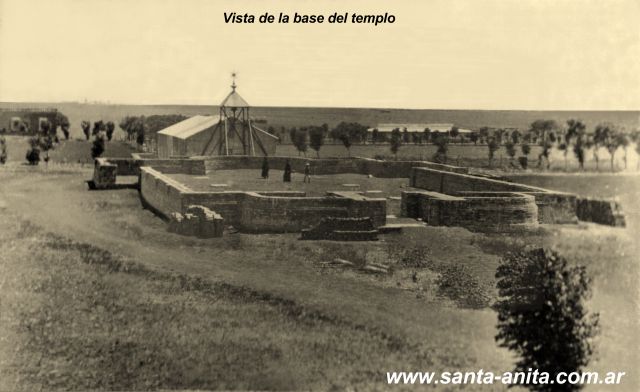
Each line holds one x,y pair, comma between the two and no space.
298,116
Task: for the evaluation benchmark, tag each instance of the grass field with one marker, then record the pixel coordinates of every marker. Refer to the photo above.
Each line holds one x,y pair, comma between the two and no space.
102,296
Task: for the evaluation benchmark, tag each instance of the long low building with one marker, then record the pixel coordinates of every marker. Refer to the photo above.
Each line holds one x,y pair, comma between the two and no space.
417,127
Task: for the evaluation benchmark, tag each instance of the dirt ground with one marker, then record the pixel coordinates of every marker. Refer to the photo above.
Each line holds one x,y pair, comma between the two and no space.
364,324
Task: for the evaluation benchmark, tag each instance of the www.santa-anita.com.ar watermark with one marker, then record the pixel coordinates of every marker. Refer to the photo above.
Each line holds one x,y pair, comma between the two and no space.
507,378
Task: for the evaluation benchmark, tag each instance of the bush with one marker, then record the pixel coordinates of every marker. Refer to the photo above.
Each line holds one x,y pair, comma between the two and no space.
33,156
524,162
458,284
97,148
542,316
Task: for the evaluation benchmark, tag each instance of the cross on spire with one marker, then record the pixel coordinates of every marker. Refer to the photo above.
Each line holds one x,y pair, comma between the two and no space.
233,84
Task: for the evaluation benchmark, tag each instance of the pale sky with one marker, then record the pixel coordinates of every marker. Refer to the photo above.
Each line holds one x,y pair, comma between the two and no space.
439,54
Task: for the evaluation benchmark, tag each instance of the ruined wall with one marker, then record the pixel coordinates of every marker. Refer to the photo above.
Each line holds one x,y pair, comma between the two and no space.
553,207
131,166
604,212
161,193
255,212
494,212
377,168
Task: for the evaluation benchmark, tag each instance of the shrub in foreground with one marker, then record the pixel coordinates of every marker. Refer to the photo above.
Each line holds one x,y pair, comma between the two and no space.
542,315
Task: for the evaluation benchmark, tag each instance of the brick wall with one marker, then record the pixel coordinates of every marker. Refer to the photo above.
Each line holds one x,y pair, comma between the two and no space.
161,193
604,212
553,207
254,212
501,212
377,168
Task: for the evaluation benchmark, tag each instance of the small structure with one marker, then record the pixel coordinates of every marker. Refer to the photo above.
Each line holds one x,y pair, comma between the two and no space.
235,134
418,127
230,133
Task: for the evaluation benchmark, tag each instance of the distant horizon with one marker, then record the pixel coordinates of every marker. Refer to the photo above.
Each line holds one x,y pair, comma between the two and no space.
311,107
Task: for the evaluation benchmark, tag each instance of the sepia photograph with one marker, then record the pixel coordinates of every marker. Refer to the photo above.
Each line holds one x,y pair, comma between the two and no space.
297,195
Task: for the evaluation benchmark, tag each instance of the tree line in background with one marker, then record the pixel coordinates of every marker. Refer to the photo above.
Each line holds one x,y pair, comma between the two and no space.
573,138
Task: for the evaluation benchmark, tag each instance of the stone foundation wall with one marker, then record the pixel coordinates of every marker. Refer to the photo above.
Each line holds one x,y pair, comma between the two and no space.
476,211
161,193
197,221
553,207
604,212
257,212
377,168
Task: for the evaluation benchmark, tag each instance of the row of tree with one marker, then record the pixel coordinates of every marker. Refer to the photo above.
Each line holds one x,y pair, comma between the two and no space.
545,133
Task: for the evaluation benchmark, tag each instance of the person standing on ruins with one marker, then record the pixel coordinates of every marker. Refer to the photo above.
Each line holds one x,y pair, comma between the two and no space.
287,172
265,169
307,173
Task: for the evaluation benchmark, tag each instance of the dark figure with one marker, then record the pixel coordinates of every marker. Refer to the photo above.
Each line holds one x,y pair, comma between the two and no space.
287,172
265,168
3,151
307,173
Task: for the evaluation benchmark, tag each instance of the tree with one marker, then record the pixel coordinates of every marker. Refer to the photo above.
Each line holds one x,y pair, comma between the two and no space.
526,149
374,135
606,135
484,134
414,137
515,136
98,127
395,142
86,126
622,140
576,132
542,315
45,139
97,147
564,148
33,153
62,121
455,132
110,126
140,132
511,150
300,141
635,136
543,132
427,135
473,136
316,139
129,125
347,133
493,146
442,143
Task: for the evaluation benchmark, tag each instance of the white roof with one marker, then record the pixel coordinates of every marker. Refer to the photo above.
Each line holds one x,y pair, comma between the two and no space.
189,127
